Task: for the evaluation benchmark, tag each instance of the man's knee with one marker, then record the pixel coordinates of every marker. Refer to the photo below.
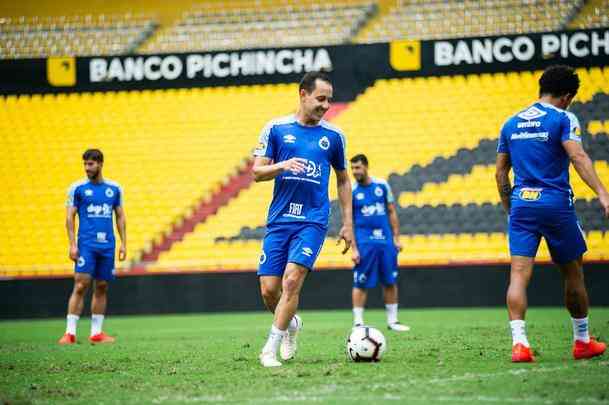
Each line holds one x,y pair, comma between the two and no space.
269,293
81,286
293,281
101,287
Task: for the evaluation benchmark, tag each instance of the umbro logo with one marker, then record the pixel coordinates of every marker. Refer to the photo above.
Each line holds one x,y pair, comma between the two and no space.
307,251
289,138
531,113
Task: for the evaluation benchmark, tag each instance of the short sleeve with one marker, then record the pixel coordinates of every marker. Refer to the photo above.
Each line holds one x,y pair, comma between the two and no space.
118,201
389,194
569,127
339,156
266,147
502,145
73,197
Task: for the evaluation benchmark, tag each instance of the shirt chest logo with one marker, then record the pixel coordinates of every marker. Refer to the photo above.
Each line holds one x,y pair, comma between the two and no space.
289,138
109,193
324,143
359,196
378,191
88,192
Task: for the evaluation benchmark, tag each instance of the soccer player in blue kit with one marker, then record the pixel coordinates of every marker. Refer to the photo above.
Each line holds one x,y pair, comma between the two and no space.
297,152
94,200
377,233
539,142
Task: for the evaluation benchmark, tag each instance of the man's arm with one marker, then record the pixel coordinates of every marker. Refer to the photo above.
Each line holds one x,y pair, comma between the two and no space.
502,176
264,170
121,226
395,225
343,185
584,167
70,227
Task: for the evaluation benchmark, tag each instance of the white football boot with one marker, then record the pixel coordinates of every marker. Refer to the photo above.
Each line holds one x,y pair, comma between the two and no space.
269,359
289,344
398,327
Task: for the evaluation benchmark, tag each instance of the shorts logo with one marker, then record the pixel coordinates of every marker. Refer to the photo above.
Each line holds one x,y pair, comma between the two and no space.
359,196
262,259
289,138
80,262
88,192
395,274
113,272
378,192
324,143
307,251
530,194
362,278
109,193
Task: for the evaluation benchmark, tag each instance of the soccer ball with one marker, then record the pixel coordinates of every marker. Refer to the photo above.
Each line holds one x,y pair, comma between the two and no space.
365,344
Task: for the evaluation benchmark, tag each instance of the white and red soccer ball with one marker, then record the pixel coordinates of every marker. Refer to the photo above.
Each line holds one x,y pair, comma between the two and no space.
366,344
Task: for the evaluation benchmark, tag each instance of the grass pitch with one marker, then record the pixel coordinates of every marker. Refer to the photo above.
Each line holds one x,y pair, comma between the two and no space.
458,356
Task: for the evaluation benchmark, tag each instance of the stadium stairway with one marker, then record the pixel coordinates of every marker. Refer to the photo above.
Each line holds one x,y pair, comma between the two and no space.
210,205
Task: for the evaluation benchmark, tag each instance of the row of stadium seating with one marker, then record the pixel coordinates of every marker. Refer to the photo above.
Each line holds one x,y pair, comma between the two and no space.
78,35
447,191
273,23
419,19
169,149
211,28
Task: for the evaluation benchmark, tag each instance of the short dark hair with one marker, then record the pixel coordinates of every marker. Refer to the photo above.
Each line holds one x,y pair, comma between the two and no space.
307,82
360,157
93,154
559,80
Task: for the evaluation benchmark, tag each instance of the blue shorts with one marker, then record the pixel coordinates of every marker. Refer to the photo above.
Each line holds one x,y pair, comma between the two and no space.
298,243
559,226
98,263
377,262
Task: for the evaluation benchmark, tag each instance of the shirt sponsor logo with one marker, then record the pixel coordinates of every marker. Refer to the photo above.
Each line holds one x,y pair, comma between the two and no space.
99,211
324,143
540,136
530,194
377,234
373,209
101,237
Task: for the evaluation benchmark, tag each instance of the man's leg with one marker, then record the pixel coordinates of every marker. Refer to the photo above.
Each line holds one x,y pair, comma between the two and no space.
293,279
576,301
82,281
270,289
359,297
98,306
520,275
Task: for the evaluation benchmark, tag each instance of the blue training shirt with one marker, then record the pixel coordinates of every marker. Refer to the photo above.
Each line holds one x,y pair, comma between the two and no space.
370,213
302,197
533,138
95,203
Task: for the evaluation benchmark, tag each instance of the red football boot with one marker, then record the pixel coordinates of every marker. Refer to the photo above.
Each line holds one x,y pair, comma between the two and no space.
101,338
588,350
522,354
67,339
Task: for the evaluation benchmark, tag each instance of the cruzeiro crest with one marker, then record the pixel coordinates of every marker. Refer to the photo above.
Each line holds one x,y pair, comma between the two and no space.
324,143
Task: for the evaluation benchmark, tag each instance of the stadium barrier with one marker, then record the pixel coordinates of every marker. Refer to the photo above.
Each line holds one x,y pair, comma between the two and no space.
430,287
353,67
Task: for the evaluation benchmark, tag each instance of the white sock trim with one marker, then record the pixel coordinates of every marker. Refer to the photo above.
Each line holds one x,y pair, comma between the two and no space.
71,324
519,334
392,313
97,321
358,315
581,330
274,340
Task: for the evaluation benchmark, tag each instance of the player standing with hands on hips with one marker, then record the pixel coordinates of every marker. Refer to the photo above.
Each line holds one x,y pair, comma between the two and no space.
94,200
297,152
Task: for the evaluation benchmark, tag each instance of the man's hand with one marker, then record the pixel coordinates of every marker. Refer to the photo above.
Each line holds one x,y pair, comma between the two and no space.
397,243
346,234
604,200
295,165
355,257
122,253
74,253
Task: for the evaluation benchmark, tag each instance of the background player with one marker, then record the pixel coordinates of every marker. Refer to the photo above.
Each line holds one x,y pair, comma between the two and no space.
377,233
538,143
297,152
94,199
